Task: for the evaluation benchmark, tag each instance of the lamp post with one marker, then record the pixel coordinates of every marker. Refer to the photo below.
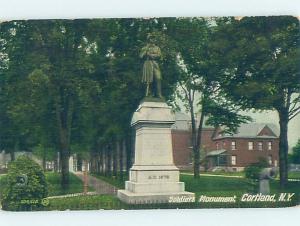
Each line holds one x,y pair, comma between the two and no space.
85,177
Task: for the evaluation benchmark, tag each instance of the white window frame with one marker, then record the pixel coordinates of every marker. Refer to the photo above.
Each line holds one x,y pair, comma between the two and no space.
270,145
252,145
233,145
260,146
233,160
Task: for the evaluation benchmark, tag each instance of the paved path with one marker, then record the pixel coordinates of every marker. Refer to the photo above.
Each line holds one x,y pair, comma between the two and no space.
100,186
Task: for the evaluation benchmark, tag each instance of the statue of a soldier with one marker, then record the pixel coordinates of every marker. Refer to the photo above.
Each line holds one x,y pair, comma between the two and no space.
151,71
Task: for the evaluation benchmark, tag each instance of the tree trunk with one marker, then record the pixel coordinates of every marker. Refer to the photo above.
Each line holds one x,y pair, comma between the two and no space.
101,163
283,148
93,162
121,151
196,155
64,112
105,171
12,155
129,141
14,150
65,169
108,156
115,147
44,159
55,167
79,162
64,154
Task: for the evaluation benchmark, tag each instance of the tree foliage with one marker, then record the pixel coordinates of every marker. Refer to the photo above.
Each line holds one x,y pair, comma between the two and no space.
259,59
295,155
25,186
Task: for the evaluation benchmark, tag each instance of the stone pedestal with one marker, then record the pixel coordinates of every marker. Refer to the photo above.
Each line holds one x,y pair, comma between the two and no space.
153,178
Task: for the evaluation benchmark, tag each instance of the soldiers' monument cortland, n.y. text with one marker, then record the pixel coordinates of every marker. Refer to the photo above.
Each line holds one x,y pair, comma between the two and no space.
153,177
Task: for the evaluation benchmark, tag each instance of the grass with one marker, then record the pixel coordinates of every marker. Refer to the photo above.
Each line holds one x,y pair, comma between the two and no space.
216,185
291,175
90,202
242,174
54,186
113,180
294,175
209,186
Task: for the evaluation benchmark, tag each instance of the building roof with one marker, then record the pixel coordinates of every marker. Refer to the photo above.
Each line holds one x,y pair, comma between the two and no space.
254,130
183,122
216,152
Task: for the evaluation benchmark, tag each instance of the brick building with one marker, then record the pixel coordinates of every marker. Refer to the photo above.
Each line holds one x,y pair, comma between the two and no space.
231,152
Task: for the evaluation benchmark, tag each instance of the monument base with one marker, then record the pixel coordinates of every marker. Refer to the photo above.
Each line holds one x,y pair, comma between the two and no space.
154,184
148,198
154,178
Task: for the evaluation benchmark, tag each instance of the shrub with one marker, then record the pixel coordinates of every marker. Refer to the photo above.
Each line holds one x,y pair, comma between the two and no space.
25,186
253,170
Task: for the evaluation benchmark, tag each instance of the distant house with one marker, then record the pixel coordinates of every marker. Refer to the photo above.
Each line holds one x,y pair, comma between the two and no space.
231,152
250,143
5,158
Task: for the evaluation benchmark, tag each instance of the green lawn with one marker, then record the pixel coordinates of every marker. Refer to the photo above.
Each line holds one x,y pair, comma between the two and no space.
291,175
54,187
115,181
216,185
216,173
209,186
90,202
294,175
241,173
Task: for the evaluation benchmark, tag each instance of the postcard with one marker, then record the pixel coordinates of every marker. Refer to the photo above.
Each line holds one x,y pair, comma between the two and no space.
150,113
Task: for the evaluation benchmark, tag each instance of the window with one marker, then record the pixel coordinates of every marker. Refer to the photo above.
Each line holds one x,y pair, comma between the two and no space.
250,145
217,144
270,159
270,145
233,160
224,144
260,146
275,163
233,145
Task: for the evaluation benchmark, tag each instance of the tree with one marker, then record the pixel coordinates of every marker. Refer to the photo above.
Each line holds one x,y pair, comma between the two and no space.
26,185
259,60
55,56
199,85
295,156
121,84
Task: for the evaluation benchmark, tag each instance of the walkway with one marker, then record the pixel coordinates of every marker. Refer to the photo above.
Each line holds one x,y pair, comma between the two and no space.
100,186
